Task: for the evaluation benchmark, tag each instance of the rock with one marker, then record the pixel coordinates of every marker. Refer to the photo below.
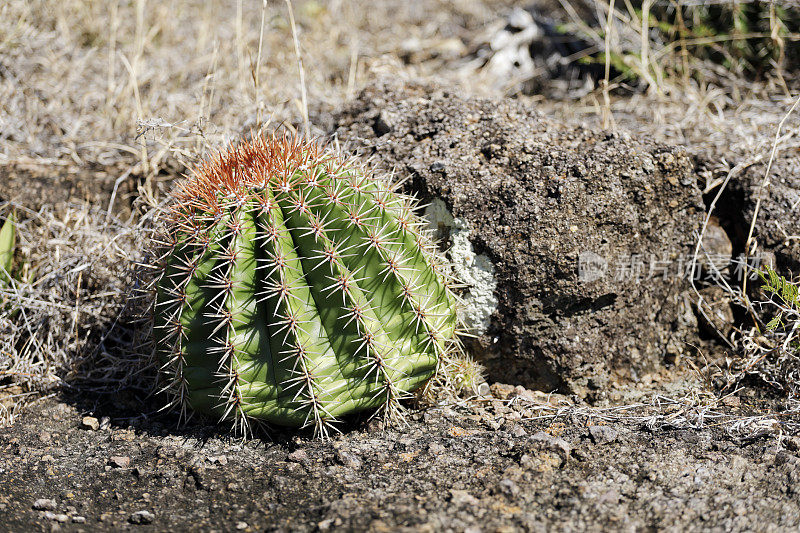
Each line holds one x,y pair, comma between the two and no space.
90,422
348,459
142,517
542,440
509,488
603,434
518,431
119,461
44,504
462,497
714,313
298,456
716,253
79,519
56,517
778,223
501,391
574,241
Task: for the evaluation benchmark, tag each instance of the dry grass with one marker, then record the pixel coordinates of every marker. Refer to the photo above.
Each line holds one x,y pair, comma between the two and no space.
65,319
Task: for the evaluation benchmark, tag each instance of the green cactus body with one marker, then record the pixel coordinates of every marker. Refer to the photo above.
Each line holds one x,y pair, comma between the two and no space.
297,287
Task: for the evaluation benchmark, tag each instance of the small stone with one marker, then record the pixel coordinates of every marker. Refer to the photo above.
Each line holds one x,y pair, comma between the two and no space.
105,422
545,440
90,422
79,519
218,460
437,166
44,504
44,436
298,456
462,497
603,434
241,525
119,461
141,517
501,391
435,448
348,459
518,431
509,488
523,394
56,517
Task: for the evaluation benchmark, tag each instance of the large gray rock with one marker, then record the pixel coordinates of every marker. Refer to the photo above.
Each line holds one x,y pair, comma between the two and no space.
537,198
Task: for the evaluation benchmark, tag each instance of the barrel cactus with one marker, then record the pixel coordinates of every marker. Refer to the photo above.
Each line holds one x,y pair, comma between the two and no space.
297,286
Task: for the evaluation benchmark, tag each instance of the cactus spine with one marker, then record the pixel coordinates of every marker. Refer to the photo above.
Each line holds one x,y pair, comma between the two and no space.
297,286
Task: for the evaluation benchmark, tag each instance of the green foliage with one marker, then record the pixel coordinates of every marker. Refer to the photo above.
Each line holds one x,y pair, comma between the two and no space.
750,38
297,288
786,293
740,36
8,237
617,61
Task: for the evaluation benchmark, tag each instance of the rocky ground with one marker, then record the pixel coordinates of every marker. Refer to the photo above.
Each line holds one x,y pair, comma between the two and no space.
491,465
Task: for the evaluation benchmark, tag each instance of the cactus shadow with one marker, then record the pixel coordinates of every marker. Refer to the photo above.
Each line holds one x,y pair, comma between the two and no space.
142,411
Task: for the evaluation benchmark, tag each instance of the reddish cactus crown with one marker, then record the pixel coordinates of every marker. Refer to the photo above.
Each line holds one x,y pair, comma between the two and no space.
297,287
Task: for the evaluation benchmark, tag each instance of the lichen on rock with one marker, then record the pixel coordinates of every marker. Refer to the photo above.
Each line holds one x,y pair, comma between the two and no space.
474,271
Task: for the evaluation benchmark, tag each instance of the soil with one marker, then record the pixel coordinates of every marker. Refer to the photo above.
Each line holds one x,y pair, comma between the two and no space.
485,466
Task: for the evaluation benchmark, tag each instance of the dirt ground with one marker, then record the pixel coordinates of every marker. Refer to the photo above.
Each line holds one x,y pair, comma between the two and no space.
104,104
486,466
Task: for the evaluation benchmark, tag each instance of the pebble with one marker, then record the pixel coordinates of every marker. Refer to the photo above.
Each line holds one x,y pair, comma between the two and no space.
90,422
518,431
79,519
434,448
298,456
501,391
462,497
554,443
241,525
141,517
348,459
509,488
56,517
603,434
44,504
119,461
